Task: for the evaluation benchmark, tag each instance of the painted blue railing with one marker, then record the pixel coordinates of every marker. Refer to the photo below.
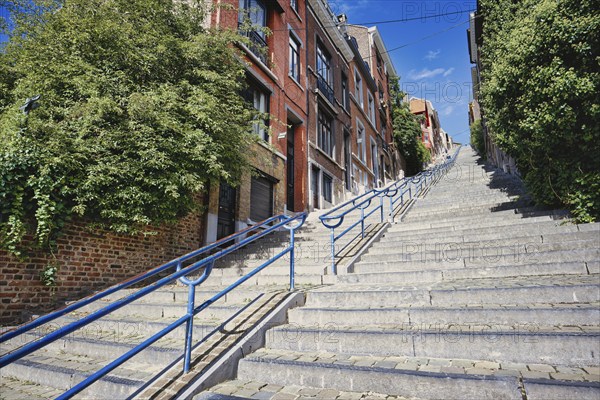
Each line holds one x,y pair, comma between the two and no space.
398,193
181,273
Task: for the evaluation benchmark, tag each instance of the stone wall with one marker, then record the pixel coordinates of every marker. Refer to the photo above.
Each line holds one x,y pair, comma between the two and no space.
88,260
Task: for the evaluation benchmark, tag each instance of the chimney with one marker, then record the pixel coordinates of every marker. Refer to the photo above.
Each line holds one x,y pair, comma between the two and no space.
343,24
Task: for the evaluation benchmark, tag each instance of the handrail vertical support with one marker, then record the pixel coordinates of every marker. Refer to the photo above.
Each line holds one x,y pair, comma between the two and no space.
381,205
292,259
333,266
362,222
189,328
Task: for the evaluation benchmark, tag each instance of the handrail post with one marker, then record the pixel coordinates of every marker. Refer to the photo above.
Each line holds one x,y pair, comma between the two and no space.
392,208
292,257
362,222
333,266
189,328
381,205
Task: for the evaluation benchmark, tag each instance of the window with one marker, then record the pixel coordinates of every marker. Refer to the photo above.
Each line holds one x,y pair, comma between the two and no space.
294,59
259,98
325,133
374,157
323,64
327,188
324,77
358,88
261,198
360,140
379,63
345,92
294,4
253,13
371,108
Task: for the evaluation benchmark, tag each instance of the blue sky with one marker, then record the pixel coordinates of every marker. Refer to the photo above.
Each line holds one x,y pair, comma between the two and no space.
436,68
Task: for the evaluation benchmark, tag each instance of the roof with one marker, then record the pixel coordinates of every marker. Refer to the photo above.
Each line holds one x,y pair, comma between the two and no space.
417,105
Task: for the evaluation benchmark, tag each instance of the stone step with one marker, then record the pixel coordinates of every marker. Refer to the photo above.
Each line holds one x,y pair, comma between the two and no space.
214,313
421,211
481,315
514,290
237,389
380,275
14,389
91,344
416,262
548,234
405,376
472,250
518,224
500,218
527,343
61,370
487,213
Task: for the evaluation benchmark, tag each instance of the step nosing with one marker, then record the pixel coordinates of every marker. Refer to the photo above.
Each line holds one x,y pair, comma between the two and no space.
379,370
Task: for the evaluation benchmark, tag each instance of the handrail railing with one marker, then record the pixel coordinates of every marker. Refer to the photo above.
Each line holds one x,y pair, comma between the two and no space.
206,265
395,192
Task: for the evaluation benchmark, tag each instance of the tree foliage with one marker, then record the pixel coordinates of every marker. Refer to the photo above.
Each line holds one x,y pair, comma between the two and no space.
139,110
407,132
541,92
477,140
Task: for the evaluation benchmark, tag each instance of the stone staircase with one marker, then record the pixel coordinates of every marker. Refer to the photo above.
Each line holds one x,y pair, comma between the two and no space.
475,294
52,370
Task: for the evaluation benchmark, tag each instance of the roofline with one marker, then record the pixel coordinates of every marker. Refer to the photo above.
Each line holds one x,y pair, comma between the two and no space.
383,50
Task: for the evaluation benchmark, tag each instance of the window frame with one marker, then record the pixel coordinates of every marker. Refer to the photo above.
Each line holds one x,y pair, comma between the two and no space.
323,58
358,88
250,95
294,69
360,141
345,92
325,139
371,107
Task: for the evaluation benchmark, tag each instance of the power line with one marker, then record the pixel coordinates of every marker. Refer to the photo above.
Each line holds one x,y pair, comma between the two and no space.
390,21
424,38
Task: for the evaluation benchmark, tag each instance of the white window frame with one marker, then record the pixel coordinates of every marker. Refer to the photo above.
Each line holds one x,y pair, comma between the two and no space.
358,88
360,141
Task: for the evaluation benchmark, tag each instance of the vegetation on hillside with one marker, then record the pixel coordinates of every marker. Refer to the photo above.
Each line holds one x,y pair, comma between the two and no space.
541,93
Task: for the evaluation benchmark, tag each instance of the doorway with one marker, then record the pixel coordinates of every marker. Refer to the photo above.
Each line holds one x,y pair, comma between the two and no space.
290,167
227,205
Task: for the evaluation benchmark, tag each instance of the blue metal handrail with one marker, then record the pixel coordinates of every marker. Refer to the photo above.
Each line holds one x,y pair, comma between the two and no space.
395,192
206,264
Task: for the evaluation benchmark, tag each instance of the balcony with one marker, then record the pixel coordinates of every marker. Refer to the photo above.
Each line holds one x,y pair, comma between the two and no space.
324,88
258,44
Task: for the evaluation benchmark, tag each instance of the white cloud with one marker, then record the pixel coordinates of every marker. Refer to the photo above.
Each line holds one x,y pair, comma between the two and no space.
432,54
347,6
448,71
448,110
425,73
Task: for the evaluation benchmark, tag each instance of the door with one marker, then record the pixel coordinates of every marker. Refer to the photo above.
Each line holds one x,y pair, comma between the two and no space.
290,167
314,186
226,217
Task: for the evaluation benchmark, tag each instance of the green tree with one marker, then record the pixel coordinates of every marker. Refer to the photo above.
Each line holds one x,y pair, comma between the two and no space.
139,110
477,137
541,93
407,131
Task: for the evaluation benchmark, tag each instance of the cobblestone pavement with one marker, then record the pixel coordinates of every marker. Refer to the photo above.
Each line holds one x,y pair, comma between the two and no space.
262,391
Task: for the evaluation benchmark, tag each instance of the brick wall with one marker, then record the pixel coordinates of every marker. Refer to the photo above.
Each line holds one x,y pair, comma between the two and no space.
88,261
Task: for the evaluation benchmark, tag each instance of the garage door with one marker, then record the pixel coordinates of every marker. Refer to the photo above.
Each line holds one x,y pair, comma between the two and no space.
261,199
